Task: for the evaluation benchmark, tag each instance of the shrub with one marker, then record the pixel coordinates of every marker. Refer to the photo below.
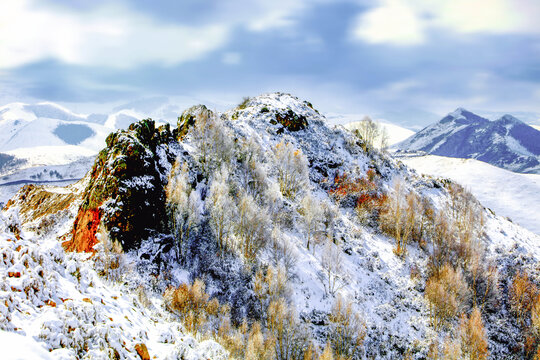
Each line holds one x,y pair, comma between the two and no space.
252,227
109,258
270,286
244,103
473,336
289,339
311,211
523,294
447,293
193,305
398,216
347,330
222,210
292,169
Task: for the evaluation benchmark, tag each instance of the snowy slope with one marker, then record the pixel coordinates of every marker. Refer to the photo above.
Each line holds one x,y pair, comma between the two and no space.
395,133
53,305
507,142
510,194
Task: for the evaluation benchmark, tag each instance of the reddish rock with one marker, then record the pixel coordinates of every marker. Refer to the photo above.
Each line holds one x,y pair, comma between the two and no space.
84,231
142,351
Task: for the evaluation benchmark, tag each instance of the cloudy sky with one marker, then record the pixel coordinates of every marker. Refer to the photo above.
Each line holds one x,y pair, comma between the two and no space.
405,60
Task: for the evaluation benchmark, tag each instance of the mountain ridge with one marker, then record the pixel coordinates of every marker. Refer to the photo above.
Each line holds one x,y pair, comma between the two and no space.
506,142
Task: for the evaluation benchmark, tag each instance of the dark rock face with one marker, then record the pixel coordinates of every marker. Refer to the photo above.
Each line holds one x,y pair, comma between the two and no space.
126,188
291,120
507,142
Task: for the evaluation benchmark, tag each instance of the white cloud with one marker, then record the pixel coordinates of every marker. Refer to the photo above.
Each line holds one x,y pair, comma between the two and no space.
231,58
121,37
393,22
408,22
109,36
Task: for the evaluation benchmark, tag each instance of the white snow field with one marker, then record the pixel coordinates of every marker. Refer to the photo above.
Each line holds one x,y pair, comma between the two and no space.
509,194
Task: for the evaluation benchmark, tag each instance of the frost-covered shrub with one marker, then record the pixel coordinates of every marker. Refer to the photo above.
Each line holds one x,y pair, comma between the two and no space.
252,175
221,209
290,340
193,305
347,330
270,286
292,166
183,206
523,295
109,260
398,215
213,142
252,227
312,216
282,252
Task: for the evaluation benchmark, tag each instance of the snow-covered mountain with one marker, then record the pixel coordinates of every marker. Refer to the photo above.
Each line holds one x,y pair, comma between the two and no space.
507,142
262,232
46,142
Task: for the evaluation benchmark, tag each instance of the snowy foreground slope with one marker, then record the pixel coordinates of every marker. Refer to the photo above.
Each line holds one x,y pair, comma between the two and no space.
229,198
510,194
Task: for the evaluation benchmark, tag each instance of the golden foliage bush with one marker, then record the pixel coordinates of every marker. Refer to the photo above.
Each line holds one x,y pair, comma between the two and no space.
473,336
193,305
447,293
523,294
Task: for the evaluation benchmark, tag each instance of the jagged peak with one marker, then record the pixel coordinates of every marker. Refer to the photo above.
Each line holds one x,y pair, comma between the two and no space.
463,116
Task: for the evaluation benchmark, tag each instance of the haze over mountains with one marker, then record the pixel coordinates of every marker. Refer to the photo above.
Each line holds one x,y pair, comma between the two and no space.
507,142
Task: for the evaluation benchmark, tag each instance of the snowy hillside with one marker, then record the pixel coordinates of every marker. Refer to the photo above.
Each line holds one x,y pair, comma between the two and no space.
510,194
266,231
396,134
507,142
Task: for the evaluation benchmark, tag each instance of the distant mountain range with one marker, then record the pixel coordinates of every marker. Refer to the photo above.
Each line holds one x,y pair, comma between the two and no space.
507,142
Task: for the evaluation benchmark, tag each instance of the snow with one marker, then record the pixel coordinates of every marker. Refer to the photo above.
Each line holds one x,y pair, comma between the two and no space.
507,193
19,347
514,145
57,307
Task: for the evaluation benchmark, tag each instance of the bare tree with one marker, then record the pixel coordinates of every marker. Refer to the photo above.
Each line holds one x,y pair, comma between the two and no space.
332,263
292,169
252,226
221,208
311,215
183,206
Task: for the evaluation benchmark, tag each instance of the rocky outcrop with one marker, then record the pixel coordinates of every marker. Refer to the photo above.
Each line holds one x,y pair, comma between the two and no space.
188,117
125,192
36,201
